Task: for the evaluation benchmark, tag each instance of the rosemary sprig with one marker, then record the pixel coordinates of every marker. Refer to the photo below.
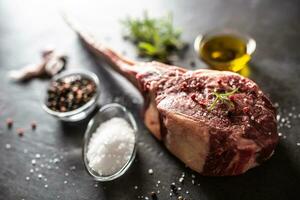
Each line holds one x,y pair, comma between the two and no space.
222,97
154,37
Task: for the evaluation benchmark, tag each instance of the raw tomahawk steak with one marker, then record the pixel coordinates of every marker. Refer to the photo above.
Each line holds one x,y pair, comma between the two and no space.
226,139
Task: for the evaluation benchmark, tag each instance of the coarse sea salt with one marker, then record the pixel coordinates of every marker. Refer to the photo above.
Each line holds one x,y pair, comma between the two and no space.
111,146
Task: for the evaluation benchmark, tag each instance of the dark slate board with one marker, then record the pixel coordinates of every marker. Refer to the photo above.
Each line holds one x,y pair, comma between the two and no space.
26,27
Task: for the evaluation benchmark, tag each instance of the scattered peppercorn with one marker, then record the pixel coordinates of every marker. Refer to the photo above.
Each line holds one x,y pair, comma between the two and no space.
20,132
174,188
70,93
33,125
153,195
9,122
193,64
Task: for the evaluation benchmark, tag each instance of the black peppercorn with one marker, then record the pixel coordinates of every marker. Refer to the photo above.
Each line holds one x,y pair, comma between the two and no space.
153,196
70,93
174,189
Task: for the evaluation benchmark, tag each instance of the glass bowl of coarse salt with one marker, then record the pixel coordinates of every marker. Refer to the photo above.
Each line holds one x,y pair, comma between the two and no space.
110,143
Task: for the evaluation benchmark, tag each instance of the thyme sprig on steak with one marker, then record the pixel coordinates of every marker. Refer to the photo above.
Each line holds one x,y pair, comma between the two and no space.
223,98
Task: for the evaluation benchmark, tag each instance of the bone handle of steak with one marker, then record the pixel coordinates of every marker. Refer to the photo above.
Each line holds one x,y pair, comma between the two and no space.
123,65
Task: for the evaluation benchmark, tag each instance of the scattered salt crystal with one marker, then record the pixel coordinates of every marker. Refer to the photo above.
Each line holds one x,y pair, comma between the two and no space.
65,182
7,146
284,137
72,167
31,170
27,178
33,162
46,186
37,155
295,116
278,117
56,160
112,139
298,143
135,187
40,176
95,185
150,171
66,174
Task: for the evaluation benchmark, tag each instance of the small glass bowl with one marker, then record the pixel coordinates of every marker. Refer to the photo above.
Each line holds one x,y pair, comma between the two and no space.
105,113
230,65
83,111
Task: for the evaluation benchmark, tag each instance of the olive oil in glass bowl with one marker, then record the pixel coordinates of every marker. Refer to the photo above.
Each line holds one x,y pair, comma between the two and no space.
225,50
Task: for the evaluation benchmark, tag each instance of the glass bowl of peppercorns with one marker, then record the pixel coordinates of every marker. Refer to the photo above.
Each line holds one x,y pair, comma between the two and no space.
72,96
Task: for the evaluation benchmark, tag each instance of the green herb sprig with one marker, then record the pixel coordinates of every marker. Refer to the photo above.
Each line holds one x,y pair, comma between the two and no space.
155,37
222,97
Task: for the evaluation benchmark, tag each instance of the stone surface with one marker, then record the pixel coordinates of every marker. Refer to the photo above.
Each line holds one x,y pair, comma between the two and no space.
27,27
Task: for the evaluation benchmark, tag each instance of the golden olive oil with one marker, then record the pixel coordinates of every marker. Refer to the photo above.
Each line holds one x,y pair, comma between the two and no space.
225,52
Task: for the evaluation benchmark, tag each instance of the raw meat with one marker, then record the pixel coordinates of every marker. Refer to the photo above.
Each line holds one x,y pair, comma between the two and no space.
229,139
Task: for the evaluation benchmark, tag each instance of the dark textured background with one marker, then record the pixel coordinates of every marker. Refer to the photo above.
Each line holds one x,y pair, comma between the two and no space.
27,26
